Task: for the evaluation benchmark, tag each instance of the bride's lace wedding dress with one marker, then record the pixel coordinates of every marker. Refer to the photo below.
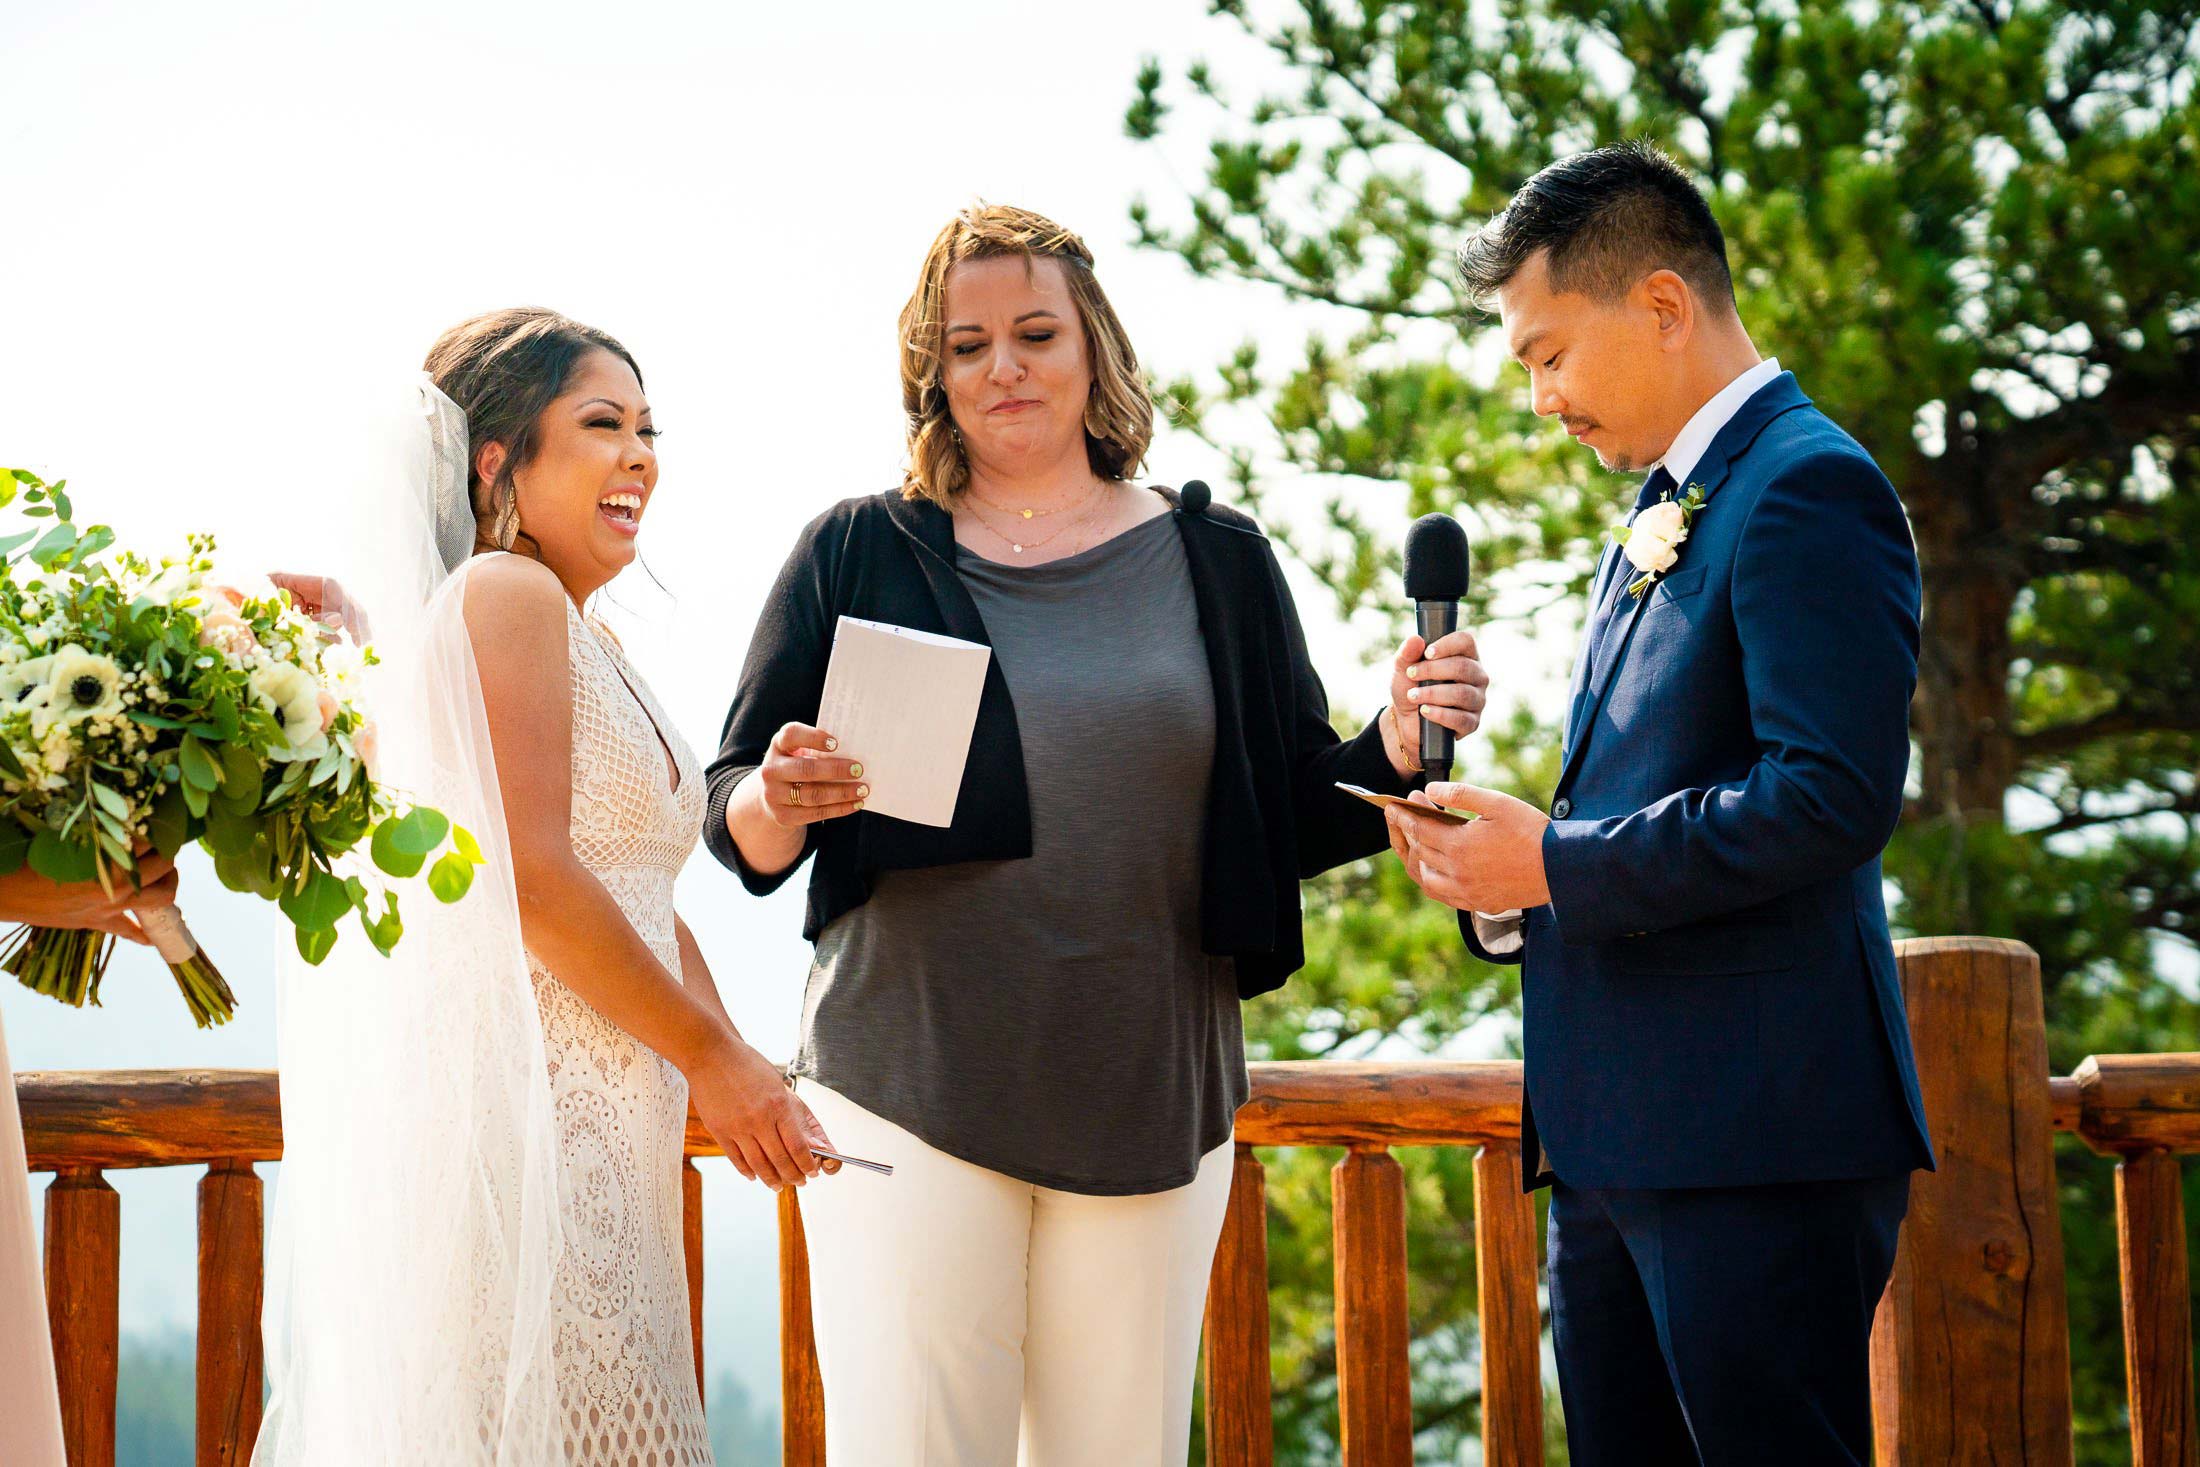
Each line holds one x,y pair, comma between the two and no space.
624,1356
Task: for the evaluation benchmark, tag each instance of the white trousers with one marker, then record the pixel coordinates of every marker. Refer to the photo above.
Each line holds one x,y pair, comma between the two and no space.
966,1319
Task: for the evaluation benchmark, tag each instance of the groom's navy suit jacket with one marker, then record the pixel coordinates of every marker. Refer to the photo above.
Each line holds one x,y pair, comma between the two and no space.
1710,995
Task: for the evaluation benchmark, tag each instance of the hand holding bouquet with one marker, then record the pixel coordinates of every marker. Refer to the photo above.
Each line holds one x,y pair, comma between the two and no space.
143,708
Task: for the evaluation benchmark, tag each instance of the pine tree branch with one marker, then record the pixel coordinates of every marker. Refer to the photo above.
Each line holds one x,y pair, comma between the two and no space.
2185,805
2123,719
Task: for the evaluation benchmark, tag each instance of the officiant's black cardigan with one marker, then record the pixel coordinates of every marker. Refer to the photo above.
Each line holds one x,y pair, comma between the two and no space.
1274,815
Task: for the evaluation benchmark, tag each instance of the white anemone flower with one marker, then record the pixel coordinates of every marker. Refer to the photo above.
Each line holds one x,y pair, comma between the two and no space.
81,685
294,697
23,684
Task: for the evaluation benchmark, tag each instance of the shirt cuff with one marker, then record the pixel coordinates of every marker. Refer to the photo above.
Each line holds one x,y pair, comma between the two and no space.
1499,932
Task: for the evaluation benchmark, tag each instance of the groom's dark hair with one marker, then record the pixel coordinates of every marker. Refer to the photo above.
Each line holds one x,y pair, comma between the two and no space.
1608,217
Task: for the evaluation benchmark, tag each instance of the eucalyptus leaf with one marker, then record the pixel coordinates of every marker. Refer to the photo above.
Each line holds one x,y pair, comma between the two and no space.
227,832
320,905
396,862
198,766
169,826
450,877
51,546
241,779
63,861
15,846
419,831
313,946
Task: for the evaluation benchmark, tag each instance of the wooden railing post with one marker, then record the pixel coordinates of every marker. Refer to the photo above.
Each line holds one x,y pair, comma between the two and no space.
1512,1320
691,1237
1240,1415
801,1389
1971,1346
1374,1382
83,1272
2144,1110
2150,1237
231,1266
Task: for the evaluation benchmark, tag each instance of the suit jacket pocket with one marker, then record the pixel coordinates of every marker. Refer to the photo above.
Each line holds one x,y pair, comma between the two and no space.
1678,585
1758,939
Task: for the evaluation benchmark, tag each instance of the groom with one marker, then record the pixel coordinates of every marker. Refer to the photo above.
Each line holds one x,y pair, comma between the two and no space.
1719,1084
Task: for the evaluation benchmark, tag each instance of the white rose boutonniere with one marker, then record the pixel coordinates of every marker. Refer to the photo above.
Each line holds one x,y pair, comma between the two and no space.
1652,543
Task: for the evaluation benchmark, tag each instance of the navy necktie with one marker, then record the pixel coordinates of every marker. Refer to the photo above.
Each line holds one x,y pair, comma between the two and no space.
1654,488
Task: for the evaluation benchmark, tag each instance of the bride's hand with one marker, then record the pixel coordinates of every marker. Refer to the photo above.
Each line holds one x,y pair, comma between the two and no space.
766,1132
799,782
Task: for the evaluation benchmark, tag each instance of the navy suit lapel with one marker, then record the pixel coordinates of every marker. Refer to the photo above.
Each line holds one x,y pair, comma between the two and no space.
1592,640
1775,398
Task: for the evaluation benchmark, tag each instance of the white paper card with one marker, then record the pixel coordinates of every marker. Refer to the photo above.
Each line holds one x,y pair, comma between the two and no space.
903,704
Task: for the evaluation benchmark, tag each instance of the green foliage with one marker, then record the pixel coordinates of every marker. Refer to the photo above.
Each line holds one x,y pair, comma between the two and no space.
143,707
1970,229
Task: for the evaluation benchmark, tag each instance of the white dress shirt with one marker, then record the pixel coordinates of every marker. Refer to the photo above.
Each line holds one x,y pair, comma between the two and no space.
1499,932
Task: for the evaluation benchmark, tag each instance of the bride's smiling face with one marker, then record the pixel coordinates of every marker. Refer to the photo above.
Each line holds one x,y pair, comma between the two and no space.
583,495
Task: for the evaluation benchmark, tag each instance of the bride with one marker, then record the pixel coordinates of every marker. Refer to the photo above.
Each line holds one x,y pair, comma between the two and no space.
477,1246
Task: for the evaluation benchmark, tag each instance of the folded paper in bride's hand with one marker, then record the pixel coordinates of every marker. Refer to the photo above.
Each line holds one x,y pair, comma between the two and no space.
903,704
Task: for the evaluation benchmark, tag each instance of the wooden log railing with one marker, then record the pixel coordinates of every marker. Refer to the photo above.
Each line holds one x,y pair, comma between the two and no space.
1970,1351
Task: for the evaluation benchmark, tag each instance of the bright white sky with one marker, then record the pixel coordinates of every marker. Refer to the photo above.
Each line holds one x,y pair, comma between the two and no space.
227,222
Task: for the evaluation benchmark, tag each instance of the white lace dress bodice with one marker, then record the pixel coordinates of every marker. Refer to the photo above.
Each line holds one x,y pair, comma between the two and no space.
622,1345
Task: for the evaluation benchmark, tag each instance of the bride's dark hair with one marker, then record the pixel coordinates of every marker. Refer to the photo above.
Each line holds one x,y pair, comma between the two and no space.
503,368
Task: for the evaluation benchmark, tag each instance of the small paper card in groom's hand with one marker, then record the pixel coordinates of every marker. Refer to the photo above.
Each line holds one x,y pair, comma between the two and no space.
903,704
1379,800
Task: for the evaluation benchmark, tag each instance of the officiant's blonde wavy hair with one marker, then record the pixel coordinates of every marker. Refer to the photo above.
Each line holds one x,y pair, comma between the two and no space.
1118,414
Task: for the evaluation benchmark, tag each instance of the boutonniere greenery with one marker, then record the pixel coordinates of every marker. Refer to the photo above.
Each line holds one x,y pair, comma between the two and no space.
1652,543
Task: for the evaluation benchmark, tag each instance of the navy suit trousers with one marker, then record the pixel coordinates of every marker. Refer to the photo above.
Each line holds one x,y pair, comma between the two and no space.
1757,1303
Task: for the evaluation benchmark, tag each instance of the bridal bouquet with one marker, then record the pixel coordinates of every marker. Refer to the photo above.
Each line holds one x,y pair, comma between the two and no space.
144,707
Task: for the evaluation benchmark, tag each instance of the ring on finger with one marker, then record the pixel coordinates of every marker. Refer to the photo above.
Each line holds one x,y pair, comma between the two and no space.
794,794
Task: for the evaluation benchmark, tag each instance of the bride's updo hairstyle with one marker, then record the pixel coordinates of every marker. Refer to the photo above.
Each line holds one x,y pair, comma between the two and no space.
504,369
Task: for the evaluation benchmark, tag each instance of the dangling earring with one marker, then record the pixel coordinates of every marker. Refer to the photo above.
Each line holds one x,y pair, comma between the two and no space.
506,530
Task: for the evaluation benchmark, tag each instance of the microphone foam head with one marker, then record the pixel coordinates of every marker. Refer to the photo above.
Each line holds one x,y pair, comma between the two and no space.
1195,496
1436,559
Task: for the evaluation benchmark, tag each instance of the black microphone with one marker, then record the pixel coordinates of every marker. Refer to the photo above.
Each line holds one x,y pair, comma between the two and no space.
1436,582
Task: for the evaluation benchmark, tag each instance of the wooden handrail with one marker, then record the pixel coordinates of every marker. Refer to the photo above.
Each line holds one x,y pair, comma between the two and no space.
121,1119
1981,1254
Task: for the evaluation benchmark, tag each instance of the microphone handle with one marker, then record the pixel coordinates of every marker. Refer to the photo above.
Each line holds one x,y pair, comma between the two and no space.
1434,619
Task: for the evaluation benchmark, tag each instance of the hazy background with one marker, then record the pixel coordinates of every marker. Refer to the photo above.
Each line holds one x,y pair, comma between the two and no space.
227,223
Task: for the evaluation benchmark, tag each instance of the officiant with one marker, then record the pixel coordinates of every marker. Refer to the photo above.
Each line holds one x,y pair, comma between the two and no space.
1032,1012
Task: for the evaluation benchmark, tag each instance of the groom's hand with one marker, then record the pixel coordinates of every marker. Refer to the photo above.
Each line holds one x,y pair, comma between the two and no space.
1488,865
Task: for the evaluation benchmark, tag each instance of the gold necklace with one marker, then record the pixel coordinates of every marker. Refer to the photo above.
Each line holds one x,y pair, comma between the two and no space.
995,504
1091,502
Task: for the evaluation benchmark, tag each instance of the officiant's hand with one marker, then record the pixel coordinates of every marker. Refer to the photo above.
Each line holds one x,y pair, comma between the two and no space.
1488,865
1444,683
324,599
765,1131
802,782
